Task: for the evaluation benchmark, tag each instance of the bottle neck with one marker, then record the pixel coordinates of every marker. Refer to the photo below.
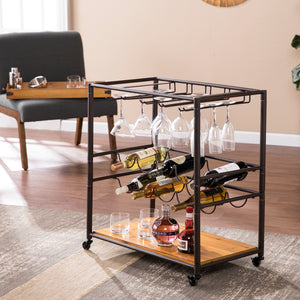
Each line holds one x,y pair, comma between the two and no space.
165,211
189,219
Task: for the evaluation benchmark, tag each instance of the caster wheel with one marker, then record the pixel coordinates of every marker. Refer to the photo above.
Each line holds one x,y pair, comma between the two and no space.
193,279
86,244
256,261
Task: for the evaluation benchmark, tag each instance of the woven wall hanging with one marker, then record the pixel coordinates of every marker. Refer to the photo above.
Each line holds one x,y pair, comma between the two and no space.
224,3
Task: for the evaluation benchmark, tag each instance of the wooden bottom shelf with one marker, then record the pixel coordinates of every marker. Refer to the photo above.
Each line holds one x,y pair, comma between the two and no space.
213,248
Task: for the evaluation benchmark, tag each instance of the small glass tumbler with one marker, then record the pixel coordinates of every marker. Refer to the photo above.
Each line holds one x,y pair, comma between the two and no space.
146,219
73,81
119,222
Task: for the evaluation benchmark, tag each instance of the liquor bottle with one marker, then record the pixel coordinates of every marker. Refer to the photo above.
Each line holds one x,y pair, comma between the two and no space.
165,229
170,168
213,182
142,158
161,187
185,241
206,196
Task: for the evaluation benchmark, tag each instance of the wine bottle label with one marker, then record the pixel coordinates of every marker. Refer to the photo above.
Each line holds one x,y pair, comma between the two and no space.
189,216
146,153
227,168
164,233
179,160
165,180
182,245
138,183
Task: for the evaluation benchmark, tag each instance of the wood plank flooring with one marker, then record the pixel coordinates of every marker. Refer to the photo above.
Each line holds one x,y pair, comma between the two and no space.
57,178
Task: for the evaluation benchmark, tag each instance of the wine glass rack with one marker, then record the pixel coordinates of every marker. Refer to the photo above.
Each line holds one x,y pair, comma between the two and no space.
187,96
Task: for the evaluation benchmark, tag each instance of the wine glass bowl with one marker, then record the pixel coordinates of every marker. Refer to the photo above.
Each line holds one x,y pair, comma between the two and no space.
142,126
228,139
122,127
180,132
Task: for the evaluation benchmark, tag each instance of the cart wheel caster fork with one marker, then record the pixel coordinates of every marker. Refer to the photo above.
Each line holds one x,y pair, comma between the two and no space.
193,279
87,244
257,260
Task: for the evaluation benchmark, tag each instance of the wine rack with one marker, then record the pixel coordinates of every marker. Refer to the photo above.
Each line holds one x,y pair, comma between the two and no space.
187,96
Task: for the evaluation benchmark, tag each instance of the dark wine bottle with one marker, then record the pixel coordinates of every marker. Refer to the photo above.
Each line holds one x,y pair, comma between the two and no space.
186,242
170,168
214,182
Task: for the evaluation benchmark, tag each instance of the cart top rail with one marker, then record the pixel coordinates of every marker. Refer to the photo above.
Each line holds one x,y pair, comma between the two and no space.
166,90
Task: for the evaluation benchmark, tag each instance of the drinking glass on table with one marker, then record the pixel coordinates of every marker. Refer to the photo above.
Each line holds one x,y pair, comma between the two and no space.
73,81
146,219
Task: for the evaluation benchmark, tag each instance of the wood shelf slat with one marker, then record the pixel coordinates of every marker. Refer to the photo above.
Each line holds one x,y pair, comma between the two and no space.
213,248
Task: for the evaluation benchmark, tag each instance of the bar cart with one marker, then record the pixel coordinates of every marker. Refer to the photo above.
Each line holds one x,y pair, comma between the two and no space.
194,96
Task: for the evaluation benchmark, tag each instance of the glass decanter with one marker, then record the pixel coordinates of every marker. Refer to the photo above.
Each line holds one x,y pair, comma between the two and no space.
165,229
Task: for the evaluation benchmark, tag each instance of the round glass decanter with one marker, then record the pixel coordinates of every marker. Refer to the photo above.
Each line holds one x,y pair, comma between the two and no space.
165,229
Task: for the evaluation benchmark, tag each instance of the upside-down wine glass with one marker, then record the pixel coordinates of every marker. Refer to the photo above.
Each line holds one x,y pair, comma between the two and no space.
142,124
180,132
122,128
162,131
214,136
228,139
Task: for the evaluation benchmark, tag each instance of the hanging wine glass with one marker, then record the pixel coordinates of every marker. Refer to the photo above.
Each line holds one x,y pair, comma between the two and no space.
162,131
142,124
180,132
228,140
202,144
204,128
214,136
121,127
159,115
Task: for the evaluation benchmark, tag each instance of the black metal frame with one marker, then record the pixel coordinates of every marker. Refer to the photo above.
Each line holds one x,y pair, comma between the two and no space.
136,89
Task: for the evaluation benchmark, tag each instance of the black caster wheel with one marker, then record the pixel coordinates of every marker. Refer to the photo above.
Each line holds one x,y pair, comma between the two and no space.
256,261
86,244
193,279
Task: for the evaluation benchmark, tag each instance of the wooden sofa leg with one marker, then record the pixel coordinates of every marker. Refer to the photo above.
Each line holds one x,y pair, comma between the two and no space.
78,131
112,138
23,150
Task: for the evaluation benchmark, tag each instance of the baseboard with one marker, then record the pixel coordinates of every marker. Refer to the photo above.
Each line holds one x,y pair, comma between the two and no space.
247,137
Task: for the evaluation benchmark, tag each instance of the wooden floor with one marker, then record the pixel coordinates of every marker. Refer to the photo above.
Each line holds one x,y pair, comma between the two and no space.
57,178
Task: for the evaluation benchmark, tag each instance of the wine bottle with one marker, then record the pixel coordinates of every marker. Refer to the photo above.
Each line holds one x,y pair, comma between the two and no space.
142,158
185,238
165,229
162,187
206,196
213,182
170,168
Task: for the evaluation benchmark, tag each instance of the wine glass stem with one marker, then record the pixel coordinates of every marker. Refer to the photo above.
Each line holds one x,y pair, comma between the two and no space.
214,116
121,108
227,116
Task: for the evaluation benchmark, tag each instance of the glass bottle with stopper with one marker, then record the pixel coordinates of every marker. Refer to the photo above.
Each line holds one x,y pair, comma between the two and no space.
165,229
